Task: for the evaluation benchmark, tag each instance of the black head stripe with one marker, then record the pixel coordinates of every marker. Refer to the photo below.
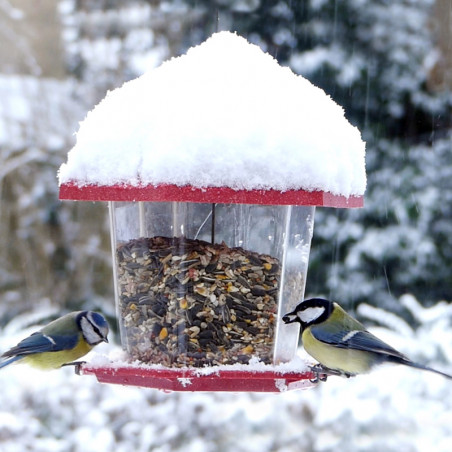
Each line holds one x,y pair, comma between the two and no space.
327,305
91,320
84,319
80,316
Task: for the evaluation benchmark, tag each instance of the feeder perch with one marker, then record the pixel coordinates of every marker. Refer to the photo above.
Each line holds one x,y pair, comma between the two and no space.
204,271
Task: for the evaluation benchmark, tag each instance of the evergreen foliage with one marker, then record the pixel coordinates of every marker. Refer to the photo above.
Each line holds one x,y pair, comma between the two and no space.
375,58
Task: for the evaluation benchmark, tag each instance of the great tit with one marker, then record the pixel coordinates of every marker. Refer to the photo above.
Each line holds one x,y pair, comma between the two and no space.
340,343
60,342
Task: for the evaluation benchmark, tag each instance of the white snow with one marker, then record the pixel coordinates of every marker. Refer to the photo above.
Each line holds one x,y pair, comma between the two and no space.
119,359
33,115
391,409
224,114
185,381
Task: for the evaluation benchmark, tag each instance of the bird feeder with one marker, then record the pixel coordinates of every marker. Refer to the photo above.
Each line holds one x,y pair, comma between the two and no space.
210,247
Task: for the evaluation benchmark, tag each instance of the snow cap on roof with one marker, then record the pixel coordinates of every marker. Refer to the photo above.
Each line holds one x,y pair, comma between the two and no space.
225,114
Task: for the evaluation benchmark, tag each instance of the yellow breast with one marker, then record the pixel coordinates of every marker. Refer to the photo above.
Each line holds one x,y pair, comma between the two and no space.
343,359
54,360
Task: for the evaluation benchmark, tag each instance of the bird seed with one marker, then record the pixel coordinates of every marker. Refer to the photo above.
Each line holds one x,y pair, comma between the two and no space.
187,302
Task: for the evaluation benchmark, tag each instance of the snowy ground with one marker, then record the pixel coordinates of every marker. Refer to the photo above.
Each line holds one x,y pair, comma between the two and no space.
392,409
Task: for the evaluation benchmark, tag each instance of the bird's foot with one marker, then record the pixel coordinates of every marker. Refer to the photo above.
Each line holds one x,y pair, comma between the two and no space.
77,365
321,373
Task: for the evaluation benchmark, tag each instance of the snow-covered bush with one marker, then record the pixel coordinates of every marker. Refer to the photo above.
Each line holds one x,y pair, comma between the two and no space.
392,409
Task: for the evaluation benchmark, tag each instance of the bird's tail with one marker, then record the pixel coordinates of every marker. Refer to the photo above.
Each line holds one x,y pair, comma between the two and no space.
408,362
420,366
8,361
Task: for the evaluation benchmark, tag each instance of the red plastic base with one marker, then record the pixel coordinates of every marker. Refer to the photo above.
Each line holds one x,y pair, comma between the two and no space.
191,380
169,192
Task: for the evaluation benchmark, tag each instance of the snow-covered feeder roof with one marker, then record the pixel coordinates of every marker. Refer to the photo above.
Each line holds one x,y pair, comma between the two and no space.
222,123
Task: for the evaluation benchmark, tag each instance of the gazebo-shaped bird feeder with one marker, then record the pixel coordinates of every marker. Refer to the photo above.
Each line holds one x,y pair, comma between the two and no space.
212,165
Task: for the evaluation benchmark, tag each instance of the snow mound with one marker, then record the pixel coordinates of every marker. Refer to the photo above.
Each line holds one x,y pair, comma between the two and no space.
225,114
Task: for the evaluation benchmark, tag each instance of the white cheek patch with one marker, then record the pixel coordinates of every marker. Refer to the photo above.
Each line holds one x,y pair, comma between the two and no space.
310,314
89,334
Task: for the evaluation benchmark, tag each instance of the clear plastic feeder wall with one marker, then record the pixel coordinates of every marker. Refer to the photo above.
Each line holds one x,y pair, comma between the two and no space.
200,284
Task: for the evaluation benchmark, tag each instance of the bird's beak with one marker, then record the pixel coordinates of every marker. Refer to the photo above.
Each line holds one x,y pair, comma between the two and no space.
290,318
106,340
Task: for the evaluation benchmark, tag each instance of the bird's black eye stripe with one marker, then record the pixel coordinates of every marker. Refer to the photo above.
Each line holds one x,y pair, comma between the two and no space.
85,315
95,328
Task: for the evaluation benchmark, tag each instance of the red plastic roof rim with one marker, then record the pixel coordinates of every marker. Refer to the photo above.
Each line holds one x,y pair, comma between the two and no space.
187,193
169,380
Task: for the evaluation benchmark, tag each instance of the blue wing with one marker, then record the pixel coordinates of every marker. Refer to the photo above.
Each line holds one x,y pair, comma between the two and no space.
356,340
40,343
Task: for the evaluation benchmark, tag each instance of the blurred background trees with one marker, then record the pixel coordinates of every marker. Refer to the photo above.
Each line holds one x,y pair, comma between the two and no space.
388,64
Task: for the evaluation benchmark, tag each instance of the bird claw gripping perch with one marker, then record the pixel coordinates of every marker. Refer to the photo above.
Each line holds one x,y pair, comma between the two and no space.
77,366
322,373
319,373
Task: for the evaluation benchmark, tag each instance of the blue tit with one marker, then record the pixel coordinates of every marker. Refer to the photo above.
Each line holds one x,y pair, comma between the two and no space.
340,343
60,342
